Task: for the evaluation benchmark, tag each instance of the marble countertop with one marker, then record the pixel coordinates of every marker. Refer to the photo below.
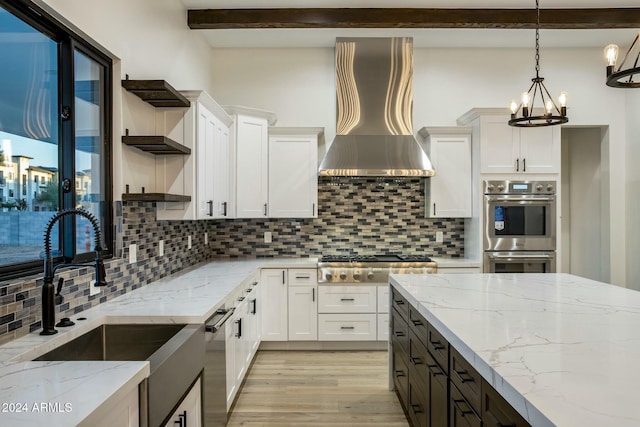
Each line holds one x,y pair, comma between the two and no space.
190,296
560,348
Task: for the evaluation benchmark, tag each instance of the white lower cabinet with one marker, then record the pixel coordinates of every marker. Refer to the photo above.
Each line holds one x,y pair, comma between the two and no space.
383,313
347,327
125,412
273,283
189,413
303,313
383,326
347,299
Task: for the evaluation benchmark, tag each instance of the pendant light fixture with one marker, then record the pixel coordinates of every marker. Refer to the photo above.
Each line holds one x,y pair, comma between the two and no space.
619,77
538,95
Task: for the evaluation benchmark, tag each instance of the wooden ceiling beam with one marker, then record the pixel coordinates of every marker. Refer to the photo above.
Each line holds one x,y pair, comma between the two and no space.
412,18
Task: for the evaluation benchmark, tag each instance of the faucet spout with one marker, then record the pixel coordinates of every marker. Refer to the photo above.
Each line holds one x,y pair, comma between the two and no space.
48,289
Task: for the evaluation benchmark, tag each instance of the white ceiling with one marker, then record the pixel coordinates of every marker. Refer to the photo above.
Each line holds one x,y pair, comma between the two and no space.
431,38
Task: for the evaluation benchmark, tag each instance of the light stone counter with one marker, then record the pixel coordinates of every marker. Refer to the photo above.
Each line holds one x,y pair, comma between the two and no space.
190,296
561,349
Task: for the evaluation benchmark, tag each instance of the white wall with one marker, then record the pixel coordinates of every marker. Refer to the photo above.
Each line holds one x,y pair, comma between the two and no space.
298,85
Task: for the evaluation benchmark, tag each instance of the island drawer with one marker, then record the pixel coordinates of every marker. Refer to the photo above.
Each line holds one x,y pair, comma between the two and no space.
399,331
466,378
419,324
496,411
400,374
461,413
439,348
399,303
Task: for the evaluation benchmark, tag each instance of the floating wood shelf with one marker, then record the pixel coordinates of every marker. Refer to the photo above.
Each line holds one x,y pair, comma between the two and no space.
154,197
158,93
155,144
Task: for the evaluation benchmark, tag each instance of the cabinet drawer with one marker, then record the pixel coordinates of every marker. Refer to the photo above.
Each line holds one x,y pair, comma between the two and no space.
347,327
302,276
400,303
461,412
439,348
466,378
399,331
383,299
383,326
498,412
418,407
347,299
419,359
419,325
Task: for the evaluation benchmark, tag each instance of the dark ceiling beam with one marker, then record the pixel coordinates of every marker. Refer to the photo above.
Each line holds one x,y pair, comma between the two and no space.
412,18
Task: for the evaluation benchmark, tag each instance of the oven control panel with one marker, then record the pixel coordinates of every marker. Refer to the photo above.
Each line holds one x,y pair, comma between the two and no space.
348,275
519,187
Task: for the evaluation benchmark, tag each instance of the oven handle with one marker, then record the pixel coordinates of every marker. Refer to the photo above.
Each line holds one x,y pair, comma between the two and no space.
520,200
519,256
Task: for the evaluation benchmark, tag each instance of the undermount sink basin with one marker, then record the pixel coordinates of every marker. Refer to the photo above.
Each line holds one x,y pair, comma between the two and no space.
115,342
175,354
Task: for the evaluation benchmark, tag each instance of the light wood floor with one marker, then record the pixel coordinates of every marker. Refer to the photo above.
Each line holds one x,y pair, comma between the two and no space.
318,389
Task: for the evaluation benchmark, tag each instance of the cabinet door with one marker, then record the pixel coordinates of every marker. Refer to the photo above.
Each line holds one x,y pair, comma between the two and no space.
230,355
206,123
251,167
293,176
496,411
449,191
189,413
303,313
221,171
540,149
499,145
273,283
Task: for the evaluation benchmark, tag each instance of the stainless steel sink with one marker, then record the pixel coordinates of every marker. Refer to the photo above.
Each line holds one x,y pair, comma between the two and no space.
175,354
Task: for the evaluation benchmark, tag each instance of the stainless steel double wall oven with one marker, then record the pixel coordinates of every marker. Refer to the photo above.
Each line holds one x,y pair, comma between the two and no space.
519,226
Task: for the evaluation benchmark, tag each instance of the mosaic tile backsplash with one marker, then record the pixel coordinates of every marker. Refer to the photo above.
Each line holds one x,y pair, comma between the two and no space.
363,216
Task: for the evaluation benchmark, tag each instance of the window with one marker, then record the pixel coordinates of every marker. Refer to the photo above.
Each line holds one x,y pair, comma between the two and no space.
55,121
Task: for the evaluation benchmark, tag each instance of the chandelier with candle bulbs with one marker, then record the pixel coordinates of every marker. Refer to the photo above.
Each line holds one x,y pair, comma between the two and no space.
619,77
538,98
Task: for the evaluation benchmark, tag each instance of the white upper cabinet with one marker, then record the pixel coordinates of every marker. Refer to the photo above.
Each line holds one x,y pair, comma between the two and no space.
448,193
293,172
514,150
204,128
250,160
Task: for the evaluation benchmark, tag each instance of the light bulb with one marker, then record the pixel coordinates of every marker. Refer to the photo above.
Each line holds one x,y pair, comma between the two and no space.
525,99
611,54
562,99
549,106
514,106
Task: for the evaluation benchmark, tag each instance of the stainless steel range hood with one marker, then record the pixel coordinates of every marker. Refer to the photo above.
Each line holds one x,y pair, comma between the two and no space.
374,129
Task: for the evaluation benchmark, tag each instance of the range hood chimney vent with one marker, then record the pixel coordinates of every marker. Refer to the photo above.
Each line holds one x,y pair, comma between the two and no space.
374,126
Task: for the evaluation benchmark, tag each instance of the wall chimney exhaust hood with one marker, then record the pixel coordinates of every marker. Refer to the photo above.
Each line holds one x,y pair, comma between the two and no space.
374,127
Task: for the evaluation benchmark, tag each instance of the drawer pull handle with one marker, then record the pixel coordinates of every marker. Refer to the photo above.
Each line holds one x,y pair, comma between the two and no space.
399,302
464,376
254,283
505,425
303,277
347,299
417,409
463,412
347,327
399,334
435,370
399,373
417,322
416,361
437,345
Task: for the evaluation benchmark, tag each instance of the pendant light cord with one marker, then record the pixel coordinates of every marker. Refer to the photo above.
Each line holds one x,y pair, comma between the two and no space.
537,39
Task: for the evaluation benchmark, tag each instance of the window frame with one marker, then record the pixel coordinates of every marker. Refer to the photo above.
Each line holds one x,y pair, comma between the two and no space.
70,40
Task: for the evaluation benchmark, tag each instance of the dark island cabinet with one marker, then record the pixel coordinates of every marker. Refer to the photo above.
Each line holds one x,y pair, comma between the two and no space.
436,385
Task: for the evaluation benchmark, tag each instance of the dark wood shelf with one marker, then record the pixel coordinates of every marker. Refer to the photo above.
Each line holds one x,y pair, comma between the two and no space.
154,197
155,144
158,93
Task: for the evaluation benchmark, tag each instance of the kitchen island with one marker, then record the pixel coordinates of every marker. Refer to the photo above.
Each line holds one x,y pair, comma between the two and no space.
560,349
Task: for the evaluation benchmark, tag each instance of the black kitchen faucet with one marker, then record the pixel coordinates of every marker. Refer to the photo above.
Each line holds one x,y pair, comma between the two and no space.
51,299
